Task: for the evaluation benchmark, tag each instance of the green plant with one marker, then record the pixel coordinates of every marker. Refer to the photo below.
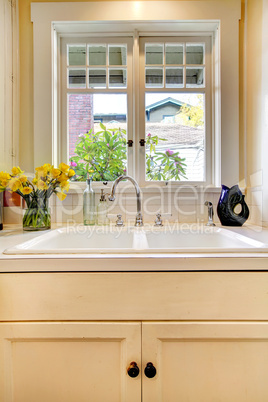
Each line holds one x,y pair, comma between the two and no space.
166,165
103,155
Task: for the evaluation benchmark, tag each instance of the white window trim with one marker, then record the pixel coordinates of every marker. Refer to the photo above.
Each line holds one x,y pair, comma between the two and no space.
218,17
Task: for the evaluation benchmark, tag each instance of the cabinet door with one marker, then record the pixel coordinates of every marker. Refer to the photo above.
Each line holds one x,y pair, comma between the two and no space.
69,362
206,362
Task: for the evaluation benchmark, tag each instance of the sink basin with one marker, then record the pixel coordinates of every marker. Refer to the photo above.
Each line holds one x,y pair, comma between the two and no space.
208,239
89,240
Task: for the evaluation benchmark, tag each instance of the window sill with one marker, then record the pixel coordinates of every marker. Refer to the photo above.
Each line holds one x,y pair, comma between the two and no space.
126,187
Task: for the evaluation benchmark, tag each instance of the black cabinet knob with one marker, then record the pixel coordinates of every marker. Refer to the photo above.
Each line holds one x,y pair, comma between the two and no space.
150,370
133,370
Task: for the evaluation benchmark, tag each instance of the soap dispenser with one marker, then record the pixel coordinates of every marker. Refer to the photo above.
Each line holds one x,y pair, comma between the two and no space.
89,204
102,208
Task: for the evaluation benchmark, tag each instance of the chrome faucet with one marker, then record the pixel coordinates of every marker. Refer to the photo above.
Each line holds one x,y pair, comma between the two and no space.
139,220
210,213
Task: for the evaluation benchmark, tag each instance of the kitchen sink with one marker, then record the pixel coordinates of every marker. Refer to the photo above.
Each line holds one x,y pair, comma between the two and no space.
81,239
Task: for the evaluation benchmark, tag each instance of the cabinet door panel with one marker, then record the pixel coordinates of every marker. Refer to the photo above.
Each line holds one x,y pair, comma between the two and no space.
69,362
206,362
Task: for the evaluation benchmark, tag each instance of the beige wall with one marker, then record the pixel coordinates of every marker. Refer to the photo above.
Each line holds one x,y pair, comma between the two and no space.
264,105
253,88
256,107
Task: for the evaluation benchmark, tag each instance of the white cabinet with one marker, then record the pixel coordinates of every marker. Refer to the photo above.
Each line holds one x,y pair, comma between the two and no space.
69,362
206,362
67,337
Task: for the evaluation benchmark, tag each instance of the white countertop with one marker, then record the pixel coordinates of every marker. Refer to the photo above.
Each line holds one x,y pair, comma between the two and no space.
13,235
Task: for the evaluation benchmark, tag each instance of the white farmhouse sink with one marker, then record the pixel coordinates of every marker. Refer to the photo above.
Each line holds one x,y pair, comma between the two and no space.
108,240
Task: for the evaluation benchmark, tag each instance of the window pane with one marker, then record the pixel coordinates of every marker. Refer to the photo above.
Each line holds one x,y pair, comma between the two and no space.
117,55
76,55
154,53
174,77
97,78
194,54
174,54
97,55
194,77
77,78
175,136
153,77
117,78
103,153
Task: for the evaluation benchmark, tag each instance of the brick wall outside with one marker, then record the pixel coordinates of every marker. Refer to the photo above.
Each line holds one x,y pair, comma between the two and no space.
81,118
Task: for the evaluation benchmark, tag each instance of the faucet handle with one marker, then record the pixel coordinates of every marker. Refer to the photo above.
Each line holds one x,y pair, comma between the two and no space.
119,221
158,221
208,204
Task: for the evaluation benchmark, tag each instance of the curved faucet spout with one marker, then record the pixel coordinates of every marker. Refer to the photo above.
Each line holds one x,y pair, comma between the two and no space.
139,220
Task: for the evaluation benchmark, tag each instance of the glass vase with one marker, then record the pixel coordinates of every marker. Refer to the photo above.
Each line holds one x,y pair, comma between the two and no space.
37,215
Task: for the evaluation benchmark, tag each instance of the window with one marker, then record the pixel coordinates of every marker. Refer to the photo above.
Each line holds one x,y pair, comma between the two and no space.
96,98
218,20
172,115
175,82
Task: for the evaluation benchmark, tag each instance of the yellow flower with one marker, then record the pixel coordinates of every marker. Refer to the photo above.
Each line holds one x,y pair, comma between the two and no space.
71,173
48,167
4,183
63,167
61,196
62,177
4,179
14,184
34,181
4,176
26,190
23,178
41,171
55,173
65,185
41,185
16,170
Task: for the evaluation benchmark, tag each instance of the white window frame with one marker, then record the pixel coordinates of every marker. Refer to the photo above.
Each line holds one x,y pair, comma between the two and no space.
206,90
63,150
138,91
217,18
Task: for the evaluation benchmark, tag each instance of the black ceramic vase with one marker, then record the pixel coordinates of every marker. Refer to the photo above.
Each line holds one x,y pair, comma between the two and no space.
229,199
